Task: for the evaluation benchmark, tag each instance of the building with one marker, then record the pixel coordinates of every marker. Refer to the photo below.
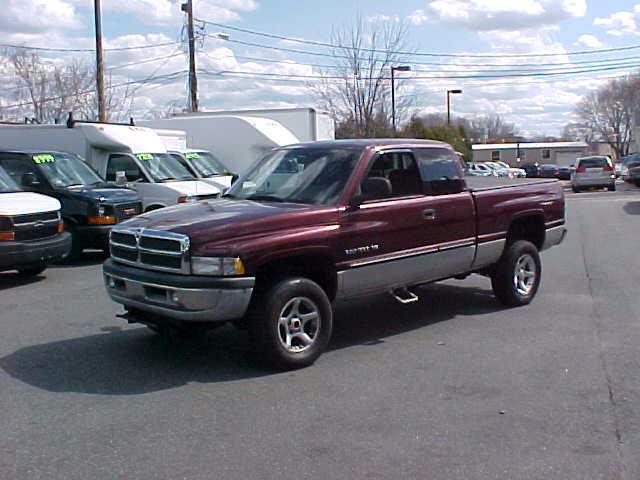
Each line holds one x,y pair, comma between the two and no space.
515,154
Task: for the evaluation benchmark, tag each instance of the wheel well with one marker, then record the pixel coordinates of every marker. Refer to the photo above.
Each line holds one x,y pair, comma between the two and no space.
318,268
529,228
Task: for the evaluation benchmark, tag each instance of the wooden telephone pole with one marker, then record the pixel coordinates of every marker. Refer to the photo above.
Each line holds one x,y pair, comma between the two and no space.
193,79
102,114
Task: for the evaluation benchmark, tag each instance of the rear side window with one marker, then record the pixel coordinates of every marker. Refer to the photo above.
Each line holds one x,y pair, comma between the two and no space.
440,169
593,162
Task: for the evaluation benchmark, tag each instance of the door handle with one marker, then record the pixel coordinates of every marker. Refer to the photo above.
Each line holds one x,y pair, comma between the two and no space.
429,214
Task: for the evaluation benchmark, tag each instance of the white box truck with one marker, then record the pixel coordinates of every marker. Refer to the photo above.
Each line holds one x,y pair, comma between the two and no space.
127,155
237,141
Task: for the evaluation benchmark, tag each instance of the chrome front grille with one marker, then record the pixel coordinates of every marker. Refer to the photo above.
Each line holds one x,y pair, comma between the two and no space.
36,226
151,249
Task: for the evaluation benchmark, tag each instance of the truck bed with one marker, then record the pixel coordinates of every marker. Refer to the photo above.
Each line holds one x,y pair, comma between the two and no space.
477,184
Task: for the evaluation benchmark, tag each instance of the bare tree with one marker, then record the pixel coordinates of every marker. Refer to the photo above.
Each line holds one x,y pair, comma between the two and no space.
490,129
47,91
357,91
609,112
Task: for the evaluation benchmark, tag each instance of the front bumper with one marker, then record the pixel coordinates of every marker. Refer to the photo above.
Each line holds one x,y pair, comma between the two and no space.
94,236
179,297
15,255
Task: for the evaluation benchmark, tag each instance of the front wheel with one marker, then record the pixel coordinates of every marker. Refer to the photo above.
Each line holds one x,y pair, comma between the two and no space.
612,187
293,322
517,274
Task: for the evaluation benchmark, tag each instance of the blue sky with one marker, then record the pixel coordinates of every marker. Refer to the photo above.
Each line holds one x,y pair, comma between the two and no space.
486,27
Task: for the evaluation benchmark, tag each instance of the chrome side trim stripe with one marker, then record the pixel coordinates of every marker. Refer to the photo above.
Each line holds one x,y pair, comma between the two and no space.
413,252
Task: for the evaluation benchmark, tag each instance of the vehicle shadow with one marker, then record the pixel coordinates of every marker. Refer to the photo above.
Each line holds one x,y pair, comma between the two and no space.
13,279
87,259
632,208
137,361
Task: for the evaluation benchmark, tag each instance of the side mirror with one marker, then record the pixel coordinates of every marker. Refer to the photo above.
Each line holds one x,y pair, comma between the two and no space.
121,178
29,180
374,188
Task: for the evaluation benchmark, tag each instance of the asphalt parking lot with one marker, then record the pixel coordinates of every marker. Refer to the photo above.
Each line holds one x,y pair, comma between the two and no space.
455,387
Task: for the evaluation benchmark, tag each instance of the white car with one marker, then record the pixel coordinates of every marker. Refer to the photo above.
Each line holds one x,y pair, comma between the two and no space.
513,172
480,170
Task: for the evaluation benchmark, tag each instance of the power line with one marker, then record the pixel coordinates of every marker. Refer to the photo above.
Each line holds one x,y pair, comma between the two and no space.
166,77
421,54
90,50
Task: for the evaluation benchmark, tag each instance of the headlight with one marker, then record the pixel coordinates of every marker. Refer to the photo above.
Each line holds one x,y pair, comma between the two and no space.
217,266
105,216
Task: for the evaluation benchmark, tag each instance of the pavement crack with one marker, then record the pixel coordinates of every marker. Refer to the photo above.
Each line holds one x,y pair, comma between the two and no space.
597,318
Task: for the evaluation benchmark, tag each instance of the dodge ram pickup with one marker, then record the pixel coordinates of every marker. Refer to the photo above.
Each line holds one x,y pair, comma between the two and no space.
315,223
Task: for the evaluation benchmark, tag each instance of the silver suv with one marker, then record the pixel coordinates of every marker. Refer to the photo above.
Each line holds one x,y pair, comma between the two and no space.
593,172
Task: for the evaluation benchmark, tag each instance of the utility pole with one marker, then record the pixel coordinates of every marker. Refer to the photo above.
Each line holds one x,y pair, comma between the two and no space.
449,92
403,68
193,79
102,114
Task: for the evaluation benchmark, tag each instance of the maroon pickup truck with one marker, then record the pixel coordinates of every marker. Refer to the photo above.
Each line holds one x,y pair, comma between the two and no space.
315,223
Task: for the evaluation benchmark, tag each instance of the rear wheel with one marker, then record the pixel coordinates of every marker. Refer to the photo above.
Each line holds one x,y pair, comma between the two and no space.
575,189
612,187
517,274
293,322
32,271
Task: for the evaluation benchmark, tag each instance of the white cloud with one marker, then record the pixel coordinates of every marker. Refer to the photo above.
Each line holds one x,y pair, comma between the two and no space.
381,18
503,14
38,16
621,23
589,41
418,17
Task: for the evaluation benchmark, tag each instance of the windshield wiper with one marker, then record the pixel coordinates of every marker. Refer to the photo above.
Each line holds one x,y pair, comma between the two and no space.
266,198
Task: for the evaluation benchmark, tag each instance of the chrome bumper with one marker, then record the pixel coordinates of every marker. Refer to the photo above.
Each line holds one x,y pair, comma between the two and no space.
554,236
218,303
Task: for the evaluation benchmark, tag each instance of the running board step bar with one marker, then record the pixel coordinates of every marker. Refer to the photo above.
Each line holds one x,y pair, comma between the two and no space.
404,295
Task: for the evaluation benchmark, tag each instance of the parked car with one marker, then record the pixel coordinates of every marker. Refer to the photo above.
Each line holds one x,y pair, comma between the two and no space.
499,170
564,173
592,172
532,170
628,162
633,173
31,230
549,171
513,172
90,206
315,223
478,170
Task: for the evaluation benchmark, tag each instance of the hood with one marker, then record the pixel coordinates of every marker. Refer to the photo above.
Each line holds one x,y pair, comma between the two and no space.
24,203
192,187
107,194
224,219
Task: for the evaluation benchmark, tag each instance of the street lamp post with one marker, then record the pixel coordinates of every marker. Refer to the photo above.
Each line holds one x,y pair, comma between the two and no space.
449,93
402,68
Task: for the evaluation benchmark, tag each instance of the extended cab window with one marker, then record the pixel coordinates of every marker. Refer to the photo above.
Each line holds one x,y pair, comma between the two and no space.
400,170
123,163
440,170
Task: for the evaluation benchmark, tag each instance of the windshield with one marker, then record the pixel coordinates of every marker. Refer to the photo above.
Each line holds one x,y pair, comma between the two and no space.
66,170
300,175
205,164
163,167
6,183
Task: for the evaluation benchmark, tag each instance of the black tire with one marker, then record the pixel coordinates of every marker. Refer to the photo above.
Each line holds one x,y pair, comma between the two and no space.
32,271
575,189
280,302
503,279
612,187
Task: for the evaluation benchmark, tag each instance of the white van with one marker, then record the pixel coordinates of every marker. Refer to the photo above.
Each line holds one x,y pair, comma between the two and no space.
31,230
127,155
